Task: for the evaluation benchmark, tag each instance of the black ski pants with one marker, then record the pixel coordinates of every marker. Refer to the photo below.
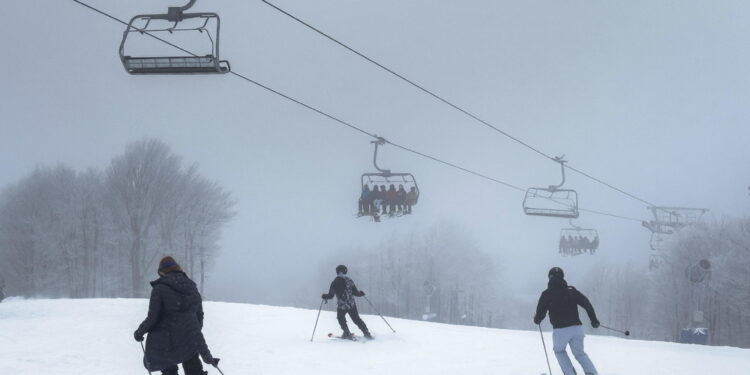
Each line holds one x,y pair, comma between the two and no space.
192,366
341,317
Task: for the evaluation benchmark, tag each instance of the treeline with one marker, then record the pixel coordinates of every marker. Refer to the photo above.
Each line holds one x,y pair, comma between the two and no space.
67,233
439,275
658,304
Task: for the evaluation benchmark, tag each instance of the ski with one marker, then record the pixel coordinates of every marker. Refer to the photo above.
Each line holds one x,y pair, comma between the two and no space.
335,337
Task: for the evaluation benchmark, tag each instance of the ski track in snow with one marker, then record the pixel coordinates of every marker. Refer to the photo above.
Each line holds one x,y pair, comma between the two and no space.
95,336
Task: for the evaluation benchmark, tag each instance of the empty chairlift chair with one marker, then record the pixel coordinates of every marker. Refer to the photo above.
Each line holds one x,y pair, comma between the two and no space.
667,222
552,201
182,31
380,203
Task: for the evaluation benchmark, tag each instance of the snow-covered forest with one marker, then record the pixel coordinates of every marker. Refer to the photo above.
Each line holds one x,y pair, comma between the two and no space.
68,233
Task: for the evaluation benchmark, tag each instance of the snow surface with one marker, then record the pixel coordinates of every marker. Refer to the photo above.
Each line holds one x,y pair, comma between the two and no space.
95,336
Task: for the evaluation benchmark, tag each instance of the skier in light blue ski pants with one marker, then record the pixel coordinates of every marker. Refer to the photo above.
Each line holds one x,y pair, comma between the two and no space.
572,335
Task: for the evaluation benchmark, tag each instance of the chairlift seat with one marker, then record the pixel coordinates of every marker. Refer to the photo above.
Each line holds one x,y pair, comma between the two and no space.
562,203
175,65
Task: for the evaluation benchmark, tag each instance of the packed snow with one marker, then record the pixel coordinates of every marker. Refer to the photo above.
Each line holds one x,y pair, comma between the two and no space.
95,336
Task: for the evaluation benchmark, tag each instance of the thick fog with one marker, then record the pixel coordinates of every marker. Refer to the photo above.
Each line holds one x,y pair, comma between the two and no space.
651,97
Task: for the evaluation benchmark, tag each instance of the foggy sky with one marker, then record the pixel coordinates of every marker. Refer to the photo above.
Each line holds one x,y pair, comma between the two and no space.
649,96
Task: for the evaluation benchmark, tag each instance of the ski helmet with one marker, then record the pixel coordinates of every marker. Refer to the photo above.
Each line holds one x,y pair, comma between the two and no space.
556,271
341,269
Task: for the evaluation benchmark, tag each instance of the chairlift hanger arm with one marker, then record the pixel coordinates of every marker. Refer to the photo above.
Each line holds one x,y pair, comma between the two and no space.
380,141
562,162
175,13
576,227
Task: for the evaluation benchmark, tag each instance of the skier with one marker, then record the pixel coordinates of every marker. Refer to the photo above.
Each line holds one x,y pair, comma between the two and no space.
345,290
562,302
174,323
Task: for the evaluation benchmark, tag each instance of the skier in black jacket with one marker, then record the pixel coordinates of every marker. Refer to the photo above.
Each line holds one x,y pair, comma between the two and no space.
344,289
174,323
562,302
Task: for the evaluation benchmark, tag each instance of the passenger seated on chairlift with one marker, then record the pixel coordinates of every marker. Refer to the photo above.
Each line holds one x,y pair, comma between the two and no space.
411,199
365,200
383,199
375,200
563,246
585,244
391,197
401,198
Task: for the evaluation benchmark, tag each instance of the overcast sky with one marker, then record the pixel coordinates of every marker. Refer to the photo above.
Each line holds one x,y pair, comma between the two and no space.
651,96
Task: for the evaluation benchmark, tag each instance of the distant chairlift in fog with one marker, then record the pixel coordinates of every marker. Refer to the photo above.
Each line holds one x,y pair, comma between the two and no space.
183,28
576,240
665,225
552,201
386,193
699,272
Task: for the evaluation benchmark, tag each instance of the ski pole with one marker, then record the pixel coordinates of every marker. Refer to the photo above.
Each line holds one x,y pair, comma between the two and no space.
144,357
545,349
626,332
316,321
220,372
381,315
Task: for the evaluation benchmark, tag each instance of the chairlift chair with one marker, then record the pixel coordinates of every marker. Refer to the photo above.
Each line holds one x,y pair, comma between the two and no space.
174,22
552,201
699,272
576,240
655,262
384,177
676,217
660,241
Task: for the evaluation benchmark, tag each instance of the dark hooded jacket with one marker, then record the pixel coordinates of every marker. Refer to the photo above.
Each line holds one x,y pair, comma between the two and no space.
344,289
562,302
174,322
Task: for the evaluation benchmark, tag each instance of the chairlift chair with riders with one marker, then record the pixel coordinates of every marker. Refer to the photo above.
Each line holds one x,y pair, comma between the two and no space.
175,22
552,201
576,240
376,201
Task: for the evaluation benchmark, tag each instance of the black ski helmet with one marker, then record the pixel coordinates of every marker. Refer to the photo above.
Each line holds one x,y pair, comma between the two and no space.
341,269
556,271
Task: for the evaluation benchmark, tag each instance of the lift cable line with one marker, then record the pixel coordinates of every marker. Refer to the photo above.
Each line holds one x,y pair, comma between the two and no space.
451,104
345,123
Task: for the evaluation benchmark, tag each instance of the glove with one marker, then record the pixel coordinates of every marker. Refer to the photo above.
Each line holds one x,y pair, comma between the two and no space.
595,323
210,360
138,336
537,321
324,296
362,293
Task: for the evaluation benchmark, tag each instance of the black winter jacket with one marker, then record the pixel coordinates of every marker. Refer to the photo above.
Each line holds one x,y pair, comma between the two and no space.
345,290
562,302
174,322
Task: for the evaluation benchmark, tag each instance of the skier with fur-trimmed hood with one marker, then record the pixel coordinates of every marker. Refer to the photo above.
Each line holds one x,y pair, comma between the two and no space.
562,302
174,323
344,289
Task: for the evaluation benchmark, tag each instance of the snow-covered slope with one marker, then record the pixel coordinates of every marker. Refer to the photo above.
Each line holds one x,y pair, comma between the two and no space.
82,337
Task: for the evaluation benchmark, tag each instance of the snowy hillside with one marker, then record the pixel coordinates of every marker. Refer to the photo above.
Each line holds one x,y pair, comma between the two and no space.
94,337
